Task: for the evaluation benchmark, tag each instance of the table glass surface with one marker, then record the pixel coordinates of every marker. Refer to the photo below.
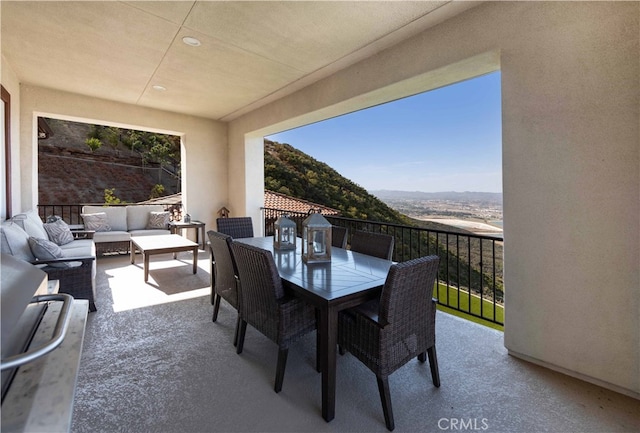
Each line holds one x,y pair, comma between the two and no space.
347,273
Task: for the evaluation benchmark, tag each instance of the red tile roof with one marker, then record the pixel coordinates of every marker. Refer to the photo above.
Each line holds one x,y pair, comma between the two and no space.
272,200
275,200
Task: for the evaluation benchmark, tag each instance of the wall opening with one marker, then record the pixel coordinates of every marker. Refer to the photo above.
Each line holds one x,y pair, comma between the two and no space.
434,158
92,163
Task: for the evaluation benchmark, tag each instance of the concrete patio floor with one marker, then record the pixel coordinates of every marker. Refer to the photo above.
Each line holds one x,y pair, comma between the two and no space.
154,362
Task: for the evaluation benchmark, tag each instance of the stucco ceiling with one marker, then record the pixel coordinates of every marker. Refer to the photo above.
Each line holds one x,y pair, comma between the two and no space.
250,54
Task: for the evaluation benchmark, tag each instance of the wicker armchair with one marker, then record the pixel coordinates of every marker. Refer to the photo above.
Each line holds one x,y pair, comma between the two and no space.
339,237
224,285
264,305
239,227
373,244
387,333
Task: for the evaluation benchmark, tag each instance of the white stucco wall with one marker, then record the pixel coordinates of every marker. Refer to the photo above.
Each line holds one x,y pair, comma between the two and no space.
204,144
572,188
571,165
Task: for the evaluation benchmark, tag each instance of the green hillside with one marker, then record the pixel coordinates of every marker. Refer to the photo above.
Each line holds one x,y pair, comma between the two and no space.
294,173
290,171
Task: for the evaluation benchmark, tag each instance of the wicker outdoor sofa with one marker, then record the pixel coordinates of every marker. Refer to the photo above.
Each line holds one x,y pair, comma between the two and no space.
72,262
114,225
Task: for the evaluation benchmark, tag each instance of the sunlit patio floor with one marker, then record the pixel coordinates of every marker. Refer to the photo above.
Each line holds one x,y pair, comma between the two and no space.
154,362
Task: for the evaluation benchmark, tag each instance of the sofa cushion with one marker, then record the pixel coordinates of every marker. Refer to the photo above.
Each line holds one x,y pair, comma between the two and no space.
15,241
138,216
116,215
149,232
44,249
59,232
96,221
112,236
79,248
31,223
158,220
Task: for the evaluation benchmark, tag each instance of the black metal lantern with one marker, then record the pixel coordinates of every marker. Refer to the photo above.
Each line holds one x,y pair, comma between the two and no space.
316,239
284,236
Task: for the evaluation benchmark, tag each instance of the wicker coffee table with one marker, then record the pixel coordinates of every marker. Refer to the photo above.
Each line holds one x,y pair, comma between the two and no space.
161,244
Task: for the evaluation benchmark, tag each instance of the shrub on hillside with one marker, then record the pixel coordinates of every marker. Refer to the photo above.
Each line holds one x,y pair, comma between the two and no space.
93,143
110,197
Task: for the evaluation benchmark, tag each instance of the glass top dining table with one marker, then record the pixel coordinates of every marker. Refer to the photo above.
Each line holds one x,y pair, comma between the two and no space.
349,279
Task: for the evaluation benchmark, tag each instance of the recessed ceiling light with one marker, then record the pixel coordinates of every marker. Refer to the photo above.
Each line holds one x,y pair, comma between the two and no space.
191,41
159,88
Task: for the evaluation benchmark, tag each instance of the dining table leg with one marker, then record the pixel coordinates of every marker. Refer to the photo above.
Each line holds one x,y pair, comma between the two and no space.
328,341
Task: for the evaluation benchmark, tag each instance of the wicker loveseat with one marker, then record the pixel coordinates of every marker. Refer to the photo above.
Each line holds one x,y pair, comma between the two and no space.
122,222
74,263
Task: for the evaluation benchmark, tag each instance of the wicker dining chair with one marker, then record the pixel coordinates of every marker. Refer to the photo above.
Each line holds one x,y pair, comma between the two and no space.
373,244
237,227
387,333
264,305
339,237
224,285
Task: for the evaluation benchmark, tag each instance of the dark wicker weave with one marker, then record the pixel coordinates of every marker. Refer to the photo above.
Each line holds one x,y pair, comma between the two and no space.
265,306
76,280
387,333
239,227
338,237
120,247
224,281
373,244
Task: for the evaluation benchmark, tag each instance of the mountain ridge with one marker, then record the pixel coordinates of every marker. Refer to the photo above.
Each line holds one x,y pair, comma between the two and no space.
440,195
292,172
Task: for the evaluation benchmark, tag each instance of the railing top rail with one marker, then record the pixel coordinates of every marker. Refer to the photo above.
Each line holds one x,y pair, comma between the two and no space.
397,226
110,204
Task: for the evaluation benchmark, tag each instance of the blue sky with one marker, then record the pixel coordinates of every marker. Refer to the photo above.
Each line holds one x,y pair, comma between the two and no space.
448,139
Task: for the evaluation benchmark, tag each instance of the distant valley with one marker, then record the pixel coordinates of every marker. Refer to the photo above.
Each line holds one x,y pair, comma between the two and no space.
478,207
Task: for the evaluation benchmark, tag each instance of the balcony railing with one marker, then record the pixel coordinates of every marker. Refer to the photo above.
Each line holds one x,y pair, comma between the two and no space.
70,213
470,278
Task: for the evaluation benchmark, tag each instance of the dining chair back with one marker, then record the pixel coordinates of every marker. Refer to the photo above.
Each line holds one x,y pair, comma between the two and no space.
373,244
237,227
339,237
265,306
386,333
224,271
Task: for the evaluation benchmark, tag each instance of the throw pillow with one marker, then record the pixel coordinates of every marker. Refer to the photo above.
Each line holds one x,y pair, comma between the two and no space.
44,249
31,223
59,232
158,220
96,221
